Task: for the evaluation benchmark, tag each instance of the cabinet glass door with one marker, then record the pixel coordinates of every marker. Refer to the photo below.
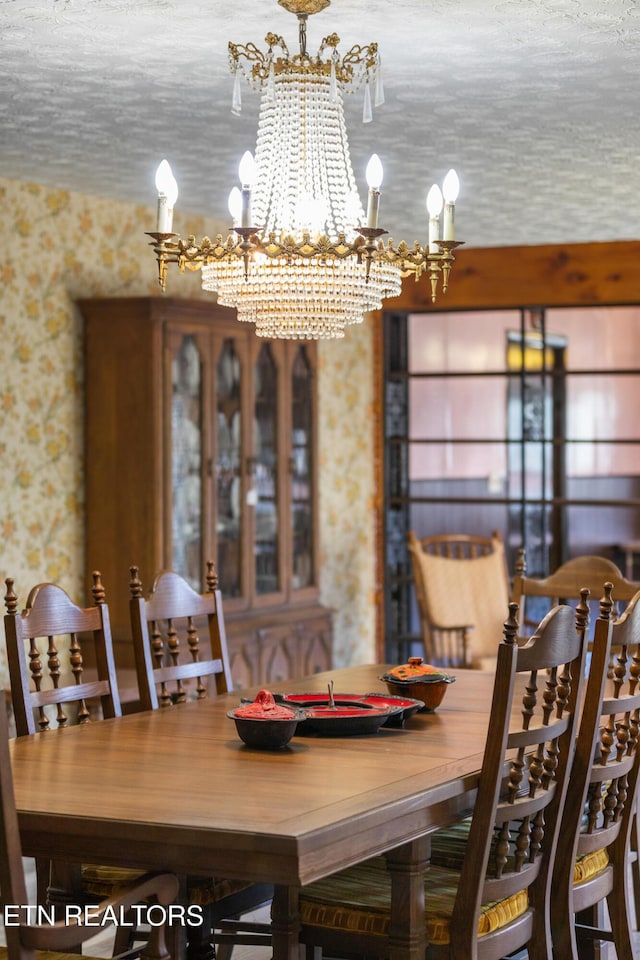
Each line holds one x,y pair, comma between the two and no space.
228,470
265,473
302,471
186,461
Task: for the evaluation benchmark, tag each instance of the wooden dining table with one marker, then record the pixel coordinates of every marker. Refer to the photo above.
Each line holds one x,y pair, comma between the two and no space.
176,789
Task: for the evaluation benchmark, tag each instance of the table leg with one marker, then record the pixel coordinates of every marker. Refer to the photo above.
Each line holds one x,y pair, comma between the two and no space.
285,923
407,865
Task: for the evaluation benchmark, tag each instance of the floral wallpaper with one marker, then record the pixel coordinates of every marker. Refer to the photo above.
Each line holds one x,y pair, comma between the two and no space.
347,513
61,246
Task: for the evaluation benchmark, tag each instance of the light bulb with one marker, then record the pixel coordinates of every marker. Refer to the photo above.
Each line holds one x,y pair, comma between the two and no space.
234,204
167,188
451,187
434,201
434,207
374,172
166,183
247,169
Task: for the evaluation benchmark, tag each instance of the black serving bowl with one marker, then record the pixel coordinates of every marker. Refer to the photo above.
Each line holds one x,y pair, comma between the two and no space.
267,734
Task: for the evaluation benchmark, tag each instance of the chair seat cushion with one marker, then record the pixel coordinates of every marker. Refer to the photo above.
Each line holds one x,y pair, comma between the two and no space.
102,882
589,866
358,900
47,955
448,850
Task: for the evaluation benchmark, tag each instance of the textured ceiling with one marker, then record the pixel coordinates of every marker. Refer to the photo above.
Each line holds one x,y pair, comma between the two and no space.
535,103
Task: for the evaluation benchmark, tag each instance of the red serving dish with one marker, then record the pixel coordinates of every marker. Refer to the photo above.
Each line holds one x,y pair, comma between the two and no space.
351,713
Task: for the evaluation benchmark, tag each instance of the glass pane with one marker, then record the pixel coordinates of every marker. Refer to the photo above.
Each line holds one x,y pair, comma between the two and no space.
603,531
473,518
466,469
302,472
186,462
265,439
463,342
439,408
600,338
228,470
599,407
603,472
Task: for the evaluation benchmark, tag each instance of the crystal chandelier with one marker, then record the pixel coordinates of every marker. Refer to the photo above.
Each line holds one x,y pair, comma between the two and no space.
304,260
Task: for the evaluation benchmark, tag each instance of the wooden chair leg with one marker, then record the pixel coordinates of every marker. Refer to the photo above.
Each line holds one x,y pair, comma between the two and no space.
589,947
199,945
176,941
43,879
125,935
224,951
635,868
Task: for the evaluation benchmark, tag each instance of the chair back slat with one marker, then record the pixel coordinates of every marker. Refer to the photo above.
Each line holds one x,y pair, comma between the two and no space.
188,671
166,627
46,647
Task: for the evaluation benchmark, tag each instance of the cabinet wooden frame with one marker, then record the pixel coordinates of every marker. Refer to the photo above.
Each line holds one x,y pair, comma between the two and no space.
130,345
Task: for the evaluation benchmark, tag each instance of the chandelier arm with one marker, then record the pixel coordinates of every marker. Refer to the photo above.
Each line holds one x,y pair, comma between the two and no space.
359,54
331,41
248,51
170,248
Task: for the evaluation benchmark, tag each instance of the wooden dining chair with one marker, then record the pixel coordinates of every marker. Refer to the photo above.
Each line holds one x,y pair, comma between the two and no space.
49,614
493,897
563,585
173,665
47,644
462,591
596,833
169,654
61,940
567,581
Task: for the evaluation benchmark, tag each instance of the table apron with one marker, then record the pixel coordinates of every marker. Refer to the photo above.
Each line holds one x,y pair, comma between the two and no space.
277,859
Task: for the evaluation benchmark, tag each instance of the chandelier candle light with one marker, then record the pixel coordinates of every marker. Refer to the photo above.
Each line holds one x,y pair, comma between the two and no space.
303,259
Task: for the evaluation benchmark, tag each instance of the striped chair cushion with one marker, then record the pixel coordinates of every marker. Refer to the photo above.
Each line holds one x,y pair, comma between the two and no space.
357,900
448,850
589,866
102,882
46,955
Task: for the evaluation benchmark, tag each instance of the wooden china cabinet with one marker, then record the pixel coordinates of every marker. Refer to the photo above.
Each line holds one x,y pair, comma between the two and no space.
201,442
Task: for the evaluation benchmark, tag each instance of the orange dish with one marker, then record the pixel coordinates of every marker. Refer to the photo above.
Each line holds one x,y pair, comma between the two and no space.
415,669
419,680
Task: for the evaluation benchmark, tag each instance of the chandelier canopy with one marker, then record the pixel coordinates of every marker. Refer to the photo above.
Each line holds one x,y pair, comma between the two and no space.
304,260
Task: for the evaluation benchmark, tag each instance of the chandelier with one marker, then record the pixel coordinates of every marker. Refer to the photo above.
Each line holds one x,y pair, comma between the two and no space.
303,259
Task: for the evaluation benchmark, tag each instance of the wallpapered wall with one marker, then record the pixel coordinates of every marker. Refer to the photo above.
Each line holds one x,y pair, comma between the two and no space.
61,246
